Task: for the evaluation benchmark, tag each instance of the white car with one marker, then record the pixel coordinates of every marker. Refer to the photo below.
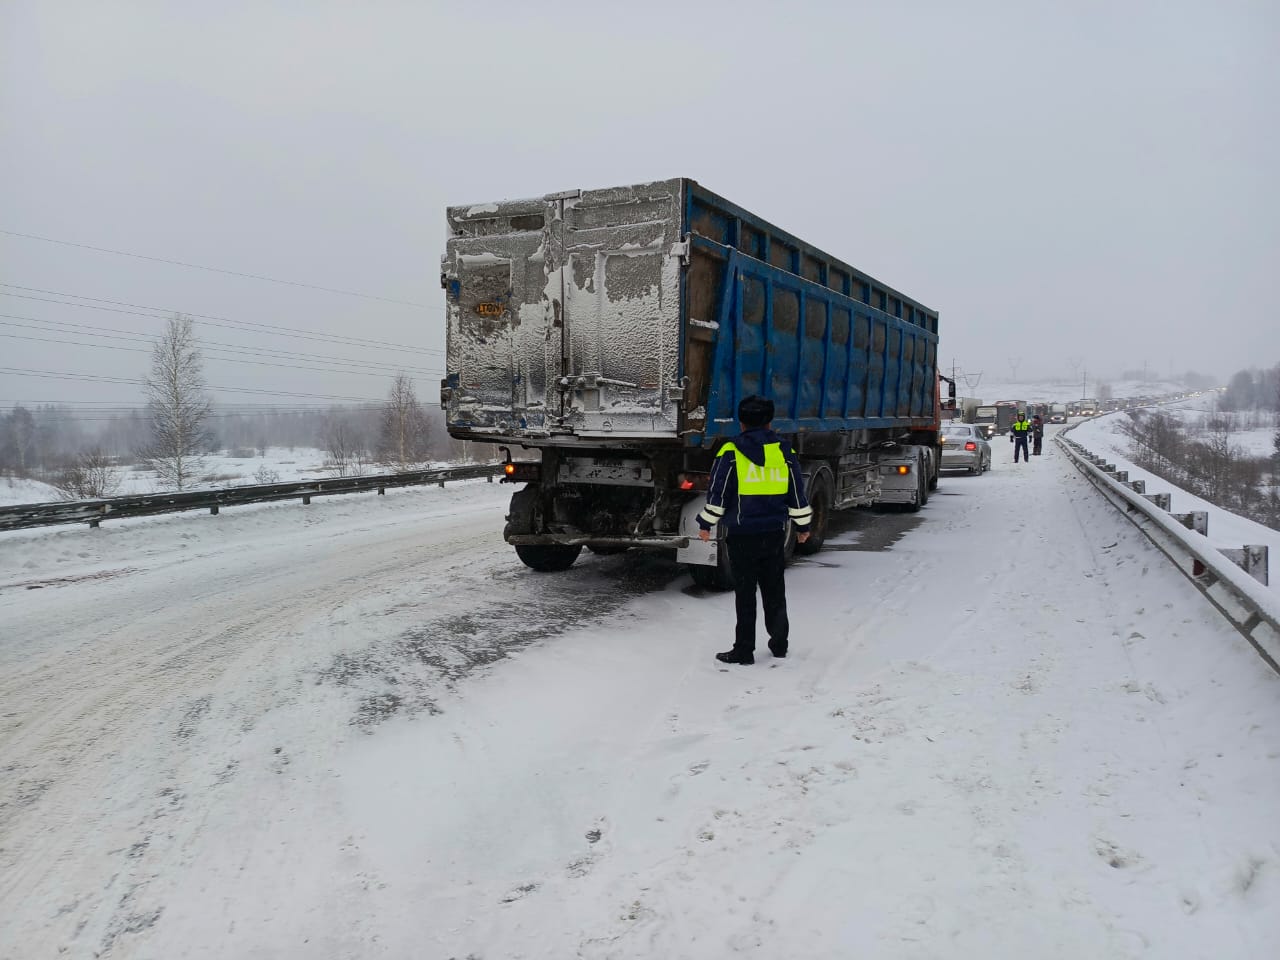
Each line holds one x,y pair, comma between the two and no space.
965,447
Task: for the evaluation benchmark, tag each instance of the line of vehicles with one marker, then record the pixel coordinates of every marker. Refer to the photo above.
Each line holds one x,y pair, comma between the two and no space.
997,418
611,333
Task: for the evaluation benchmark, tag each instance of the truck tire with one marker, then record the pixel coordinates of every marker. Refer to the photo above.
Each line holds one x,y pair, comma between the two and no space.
936,472
548,558
820,499
522,519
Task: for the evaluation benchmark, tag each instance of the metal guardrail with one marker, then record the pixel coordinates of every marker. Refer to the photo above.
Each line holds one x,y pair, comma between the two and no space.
93,512
1249,606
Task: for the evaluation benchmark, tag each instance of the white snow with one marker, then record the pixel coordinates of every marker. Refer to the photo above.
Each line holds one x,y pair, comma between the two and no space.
218,471
14,490
1008,728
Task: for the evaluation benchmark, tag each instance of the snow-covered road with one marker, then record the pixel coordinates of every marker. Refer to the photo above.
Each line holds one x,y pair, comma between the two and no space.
361,729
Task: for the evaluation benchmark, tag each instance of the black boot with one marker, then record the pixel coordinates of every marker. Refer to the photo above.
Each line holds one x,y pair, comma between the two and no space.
779,650
736,656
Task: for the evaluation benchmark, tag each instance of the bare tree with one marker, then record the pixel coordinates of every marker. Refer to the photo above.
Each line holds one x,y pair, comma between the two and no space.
91,476
178,405
347,454
403,438
18,440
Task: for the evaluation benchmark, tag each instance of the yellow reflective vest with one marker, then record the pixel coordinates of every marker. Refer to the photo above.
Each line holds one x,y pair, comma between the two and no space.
760,481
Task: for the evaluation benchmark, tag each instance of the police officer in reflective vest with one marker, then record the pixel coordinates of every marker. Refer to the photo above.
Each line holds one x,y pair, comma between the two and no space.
755,489
1018,434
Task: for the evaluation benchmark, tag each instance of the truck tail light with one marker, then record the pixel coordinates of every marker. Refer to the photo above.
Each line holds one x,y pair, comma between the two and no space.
693,481
521,471
970,445
904,468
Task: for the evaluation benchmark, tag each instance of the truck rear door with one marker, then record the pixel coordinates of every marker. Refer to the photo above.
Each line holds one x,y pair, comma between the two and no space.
614,271
565,314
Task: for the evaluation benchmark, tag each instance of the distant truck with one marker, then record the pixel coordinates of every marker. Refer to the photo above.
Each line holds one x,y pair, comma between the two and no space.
1057,413
983,415
1089,408
613,332
1006,412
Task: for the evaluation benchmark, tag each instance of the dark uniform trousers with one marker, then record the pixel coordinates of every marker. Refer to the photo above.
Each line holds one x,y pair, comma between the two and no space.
757,559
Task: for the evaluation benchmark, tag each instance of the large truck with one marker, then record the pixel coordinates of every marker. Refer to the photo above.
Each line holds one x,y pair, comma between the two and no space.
1007,411
984,416
613,332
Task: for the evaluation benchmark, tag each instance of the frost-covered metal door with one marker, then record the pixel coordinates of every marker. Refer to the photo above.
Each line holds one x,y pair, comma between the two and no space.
614,266
496,362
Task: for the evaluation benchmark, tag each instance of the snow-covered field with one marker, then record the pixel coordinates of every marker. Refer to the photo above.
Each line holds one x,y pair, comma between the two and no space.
1102,436
1252,431
1008,728
277,465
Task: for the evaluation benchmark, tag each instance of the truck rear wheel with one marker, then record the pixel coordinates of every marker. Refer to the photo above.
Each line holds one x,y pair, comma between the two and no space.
820,498
547,558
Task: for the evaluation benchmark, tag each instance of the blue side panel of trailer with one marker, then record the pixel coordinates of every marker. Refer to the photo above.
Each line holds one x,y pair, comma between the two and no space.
832,347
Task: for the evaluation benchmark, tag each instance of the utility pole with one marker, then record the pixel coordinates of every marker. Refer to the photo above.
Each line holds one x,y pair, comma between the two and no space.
1084,379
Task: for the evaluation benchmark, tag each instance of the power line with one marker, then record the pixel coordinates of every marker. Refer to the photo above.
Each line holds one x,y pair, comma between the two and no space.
233,273
144,418
117,405
212,357
162,313
95,378
35,323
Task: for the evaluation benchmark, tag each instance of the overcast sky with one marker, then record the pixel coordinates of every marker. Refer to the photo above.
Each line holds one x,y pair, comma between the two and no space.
1060,180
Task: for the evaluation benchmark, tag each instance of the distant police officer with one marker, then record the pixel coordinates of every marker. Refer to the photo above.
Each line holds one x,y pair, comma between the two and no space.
1018,434
755,488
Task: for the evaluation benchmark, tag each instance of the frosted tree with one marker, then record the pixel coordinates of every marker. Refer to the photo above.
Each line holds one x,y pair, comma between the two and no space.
402,441
177,404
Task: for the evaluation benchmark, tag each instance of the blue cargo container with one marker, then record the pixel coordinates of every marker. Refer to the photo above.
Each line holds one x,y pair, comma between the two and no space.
614,331
833,348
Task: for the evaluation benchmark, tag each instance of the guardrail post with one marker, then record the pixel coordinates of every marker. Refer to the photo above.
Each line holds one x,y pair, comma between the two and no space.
306,499
382,491
1162,500
1252,559
1139,486
1122,476
1197,521
441,484
213,510
93,524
